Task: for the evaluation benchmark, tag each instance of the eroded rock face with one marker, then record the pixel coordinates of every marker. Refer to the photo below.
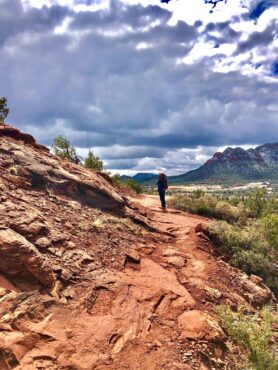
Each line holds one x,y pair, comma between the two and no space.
19,257
254,290
48,172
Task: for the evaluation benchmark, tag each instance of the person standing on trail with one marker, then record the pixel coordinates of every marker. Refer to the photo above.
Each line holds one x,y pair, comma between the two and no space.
162,186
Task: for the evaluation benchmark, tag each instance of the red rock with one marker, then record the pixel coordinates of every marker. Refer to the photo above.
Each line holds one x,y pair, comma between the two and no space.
200,325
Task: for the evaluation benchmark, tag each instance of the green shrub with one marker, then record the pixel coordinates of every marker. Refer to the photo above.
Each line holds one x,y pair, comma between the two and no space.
253,332
93,162
257,202
251,262
247,248
271,230
247,233
116,180
198,193
208,206
271,206
133,185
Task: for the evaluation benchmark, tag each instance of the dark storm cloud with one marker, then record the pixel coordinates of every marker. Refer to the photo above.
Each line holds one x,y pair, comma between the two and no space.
122,164
131,152
120,15
257,39
14,21
225,33
115,80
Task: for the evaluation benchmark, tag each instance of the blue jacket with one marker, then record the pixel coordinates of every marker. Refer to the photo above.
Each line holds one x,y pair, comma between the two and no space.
161,185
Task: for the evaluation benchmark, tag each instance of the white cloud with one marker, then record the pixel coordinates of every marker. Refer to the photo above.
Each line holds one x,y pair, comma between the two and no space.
146,92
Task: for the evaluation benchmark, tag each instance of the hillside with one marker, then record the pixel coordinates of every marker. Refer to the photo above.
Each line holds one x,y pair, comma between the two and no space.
236,165
92,279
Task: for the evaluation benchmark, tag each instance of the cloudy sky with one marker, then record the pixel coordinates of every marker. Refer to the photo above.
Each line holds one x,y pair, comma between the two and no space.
148,86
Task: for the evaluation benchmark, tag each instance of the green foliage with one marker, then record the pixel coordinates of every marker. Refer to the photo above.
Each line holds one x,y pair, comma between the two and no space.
247,233
257,202
198,193
116,180
209,206
271,206
63,148
92,162
270,223
126,183
133,185
255,333
4,110
248,248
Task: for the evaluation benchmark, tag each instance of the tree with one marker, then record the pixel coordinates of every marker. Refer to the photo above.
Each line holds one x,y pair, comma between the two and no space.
63,148
93,163
257,201
271,230
4,110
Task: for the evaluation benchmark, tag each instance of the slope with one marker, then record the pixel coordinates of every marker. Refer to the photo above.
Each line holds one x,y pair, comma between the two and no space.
90,279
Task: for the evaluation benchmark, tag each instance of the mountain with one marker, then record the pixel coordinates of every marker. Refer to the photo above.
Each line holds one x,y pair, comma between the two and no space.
235,165
140,177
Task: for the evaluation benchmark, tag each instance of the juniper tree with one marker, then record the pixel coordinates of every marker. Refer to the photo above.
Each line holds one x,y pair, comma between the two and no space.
93,162
4,110
63,148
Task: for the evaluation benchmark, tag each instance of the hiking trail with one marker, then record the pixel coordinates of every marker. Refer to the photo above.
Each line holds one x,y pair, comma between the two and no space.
93,278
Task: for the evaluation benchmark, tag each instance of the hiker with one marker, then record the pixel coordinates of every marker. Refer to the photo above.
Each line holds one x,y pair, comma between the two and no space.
162,186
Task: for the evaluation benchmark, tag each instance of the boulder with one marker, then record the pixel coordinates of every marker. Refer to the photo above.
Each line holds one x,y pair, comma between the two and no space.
176,261
199,325
20,257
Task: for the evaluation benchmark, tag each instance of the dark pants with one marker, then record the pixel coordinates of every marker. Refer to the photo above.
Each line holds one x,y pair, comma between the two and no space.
162,198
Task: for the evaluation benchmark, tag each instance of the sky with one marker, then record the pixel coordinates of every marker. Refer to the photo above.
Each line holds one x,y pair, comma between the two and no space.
147,86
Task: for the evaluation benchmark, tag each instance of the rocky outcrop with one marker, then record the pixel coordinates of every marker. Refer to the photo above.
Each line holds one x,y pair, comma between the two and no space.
12,132
25,162
18,257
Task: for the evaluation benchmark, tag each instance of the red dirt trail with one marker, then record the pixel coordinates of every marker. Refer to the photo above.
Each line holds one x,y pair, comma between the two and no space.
94,279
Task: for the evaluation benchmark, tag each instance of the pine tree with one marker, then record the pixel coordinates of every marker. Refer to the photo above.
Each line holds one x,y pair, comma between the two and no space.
4,110
92,162
63,148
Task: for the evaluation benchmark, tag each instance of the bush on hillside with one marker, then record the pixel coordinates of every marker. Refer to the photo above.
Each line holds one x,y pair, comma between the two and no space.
133,185
248,248
209,206
256,202
247,230
93,162
270,223
126,183
116,180
253,332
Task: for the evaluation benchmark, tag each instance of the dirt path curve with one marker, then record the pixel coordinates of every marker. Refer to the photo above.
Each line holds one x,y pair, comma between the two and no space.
174,221
182,226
